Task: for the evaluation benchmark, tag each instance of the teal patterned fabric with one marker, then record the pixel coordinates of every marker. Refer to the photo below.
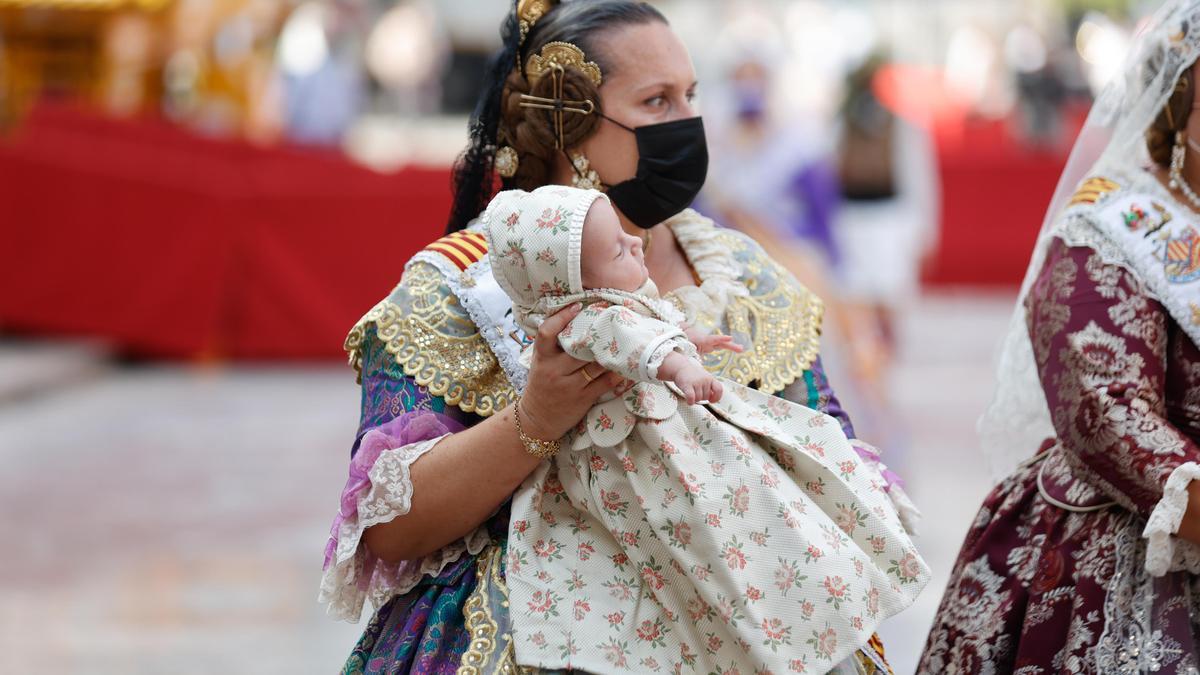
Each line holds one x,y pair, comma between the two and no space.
421,631
388,393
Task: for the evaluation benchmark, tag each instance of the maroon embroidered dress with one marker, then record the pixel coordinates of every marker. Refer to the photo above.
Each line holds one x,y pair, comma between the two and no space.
1052,577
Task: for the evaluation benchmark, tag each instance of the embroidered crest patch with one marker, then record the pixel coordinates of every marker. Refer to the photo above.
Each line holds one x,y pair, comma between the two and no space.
1180,255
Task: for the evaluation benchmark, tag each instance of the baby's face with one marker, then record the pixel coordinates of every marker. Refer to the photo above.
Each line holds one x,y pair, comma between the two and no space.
611,258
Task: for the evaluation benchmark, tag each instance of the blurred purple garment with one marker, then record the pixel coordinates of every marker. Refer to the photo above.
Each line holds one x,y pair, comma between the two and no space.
818,394
322,105
816,190
870,455
784,179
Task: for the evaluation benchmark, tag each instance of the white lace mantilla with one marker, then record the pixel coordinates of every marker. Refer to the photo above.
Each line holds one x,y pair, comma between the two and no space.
354,575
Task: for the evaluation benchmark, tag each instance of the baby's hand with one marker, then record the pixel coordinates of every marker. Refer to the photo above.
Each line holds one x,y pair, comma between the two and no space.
711,342
697,384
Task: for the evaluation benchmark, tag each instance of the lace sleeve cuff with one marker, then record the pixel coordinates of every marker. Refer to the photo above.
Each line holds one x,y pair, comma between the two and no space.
378,490
657,351
1164,551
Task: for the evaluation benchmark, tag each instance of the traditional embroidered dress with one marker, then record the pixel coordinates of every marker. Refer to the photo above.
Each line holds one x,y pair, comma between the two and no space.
741,535
1071,564
441,352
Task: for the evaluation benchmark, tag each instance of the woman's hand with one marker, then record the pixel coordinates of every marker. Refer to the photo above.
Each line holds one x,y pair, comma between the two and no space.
1189,526
561,388
461,482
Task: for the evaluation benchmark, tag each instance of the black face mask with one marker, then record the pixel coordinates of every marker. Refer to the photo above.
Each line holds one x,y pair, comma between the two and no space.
672,165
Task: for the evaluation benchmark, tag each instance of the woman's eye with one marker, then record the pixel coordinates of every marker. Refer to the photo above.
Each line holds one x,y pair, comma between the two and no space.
656,101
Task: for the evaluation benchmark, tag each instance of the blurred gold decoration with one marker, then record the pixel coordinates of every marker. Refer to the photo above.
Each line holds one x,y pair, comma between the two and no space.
205,63
96,51
146,5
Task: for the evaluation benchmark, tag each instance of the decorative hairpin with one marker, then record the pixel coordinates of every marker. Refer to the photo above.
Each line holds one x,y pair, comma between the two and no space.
553,59
506,161
561,55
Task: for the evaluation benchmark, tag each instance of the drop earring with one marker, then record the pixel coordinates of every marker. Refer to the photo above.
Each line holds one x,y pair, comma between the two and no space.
1175,174
585,177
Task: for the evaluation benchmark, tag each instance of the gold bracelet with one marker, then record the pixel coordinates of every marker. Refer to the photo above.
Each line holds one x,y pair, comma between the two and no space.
534,446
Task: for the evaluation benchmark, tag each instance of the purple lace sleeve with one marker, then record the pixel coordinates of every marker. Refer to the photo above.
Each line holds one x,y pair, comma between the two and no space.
411,427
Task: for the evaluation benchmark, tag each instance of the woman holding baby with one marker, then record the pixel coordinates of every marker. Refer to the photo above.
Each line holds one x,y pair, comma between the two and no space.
594,95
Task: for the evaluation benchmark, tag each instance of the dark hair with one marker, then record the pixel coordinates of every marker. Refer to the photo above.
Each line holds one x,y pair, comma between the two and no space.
1160,137
499,118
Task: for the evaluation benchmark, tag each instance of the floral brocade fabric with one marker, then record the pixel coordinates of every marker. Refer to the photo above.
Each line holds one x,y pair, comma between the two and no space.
419,352
424,629
1052,576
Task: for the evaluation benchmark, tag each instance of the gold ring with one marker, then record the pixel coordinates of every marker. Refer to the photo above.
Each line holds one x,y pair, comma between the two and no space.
587,376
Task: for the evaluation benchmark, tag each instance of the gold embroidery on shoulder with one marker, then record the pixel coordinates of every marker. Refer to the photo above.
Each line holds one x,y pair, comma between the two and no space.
429,334
1092,190
782,318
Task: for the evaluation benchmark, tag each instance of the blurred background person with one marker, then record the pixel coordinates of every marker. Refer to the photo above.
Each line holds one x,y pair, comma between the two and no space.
323,78
774,177
886,226
773,171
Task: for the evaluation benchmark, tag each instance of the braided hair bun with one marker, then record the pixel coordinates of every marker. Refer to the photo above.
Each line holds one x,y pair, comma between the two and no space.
532,132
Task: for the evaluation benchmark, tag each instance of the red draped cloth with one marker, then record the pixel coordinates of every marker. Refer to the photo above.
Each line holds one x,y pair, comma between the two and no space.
995,191
174,245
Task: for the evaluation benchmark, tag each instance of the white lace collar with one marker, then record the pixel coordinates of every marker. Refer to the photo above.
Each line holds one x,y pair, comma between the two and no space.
713,262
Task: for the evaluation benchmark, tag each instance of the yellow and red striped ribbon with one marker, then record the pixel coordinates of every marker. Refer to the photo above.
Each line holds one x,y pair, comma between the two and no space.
461,248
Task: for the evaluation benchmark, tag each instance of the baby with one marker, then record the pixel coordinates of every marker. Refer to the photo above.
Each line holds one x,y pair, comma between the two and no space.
689,523
613,259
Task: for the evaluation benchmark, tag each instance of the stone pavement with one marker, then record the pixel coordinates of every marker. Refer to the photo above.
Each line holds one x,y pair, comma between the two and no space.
168,519
941,386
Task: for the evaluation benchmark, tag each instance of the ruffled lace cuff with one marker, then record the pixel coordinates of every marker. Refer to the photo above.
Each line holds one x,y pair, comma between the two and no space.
1164,551
910,515
378,490
657,352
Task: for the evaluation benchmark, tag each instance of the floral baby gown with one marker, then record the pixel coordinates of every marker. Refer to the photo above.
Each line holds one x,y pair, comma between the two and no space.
740,536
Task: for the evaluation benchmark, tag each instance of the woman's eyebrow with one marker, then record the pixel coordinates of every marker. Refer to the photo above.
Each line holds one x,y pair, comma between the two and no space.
662,84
